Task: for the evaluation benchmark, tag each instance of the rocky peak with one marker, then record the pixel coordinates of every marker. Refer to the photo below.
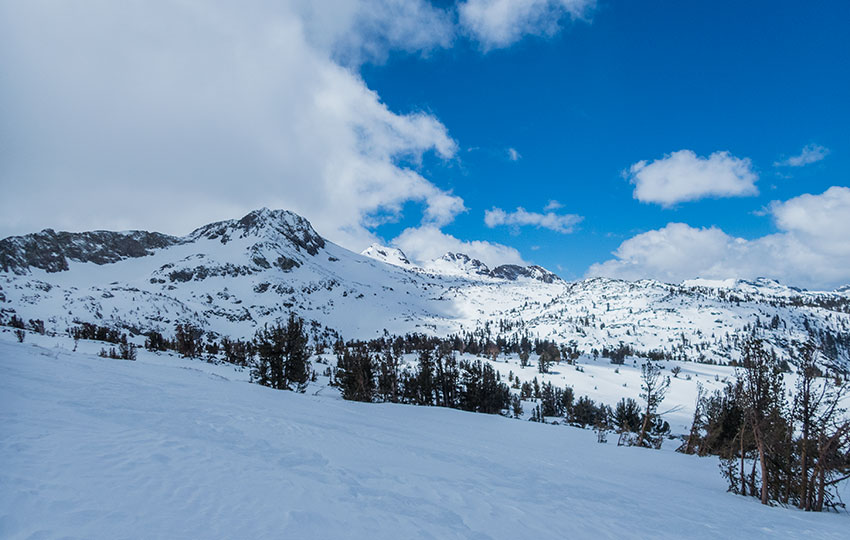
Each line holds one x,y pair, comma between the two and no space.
512,272
50,250
459,263
267,225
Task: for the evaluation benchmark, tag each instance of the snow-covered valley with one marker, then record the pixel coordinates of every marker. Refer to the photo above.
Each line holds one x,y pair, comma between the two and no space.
175,447
167,447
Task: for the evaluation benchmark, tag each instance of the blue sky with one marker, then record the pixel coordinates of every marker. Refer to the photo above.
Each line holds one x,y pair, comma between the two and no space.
678,139
760,80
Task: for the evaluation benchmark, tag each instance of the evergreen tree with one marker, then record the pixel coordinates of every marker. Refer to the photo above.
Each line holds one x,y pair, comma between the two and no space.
626,416
297,354
282,356
388,376
425,377
763,398
356,374
653,390
584,413
188,340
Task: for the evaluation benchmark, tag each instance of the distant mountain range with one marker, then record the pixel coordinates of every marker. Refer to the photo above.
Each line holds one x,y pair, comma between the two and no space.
231,276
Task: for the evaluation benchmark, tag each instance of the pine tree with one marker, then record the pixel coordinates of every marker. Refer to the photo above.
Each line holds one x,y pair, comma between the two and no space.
388,376
653,390
188,340
282,356
425,377
356,374
626,416
297,355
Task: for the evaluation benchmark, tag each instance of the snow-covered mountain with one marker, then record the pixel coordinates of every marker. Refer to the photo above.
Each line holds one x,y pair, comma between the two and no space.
231,276
388,255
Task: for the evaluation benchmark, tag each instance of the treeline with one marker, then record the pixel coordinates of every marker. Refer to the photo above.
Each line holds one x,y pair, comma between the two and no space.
627,418
438,379
125,350
278,356
787,450
480,342
34,325
376,371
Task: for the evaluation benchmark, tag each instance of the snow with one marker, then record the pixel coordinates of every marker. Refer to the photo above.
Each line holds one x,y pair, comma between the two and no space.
235,286
388,255
171,448
458,264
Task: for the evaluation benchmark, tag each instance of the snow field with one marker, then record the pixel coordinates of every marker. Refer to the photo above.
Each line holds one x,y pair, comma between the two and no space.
171,448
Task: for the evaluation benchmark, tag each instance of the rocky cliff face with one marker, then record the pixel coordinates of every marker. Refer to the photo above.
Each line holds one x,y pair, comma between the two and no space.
51,251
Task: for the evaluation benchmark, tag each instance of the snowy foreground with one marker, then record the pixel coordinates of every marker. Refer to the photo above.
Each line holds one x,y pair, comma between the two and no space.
171,448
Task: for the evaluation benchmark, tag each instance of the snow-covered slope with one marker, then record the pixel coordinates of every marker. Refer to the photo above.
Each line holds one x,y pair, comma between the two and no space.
171,448
388,255
231,276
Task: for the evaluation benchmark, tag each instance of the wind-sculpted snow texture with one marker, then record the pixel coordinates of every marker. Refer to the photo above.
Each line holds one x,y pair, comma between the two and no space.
166,447
232,276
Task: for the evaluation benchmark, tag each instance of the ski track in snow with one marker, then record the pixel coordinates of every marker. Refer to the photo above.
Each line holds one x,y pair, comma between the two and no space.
171,448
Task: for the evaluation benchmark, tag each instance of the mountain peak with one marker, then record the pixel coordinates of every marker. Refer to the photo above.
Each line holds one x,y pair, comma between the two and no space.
512,272
265,223
458,264
387,254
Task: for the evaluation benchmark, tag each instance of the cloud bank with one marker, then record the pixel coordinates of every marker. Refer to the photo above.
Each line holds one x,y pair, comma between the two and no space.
166,115
170,114
684,176
811,249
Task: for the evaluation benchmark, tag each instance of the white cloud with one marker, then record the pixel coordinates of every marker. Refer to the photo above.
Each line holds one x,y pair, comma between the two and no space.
499,23
562,223
684,176
552,205
811,153
380,26
811,249
426,243
513,155
821,222
171,114
167,115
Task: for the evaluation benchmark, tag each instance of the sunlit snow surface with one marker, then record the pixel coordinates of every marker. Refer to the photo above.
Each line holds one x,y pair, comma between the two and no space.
171,448
228,278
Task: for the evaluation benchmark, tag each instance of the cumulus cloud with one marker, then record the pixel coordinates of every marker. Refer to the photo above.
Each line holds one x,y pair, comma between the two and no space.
562,223
552,205
811,153
170,114
166,115
822,222
684,176
811,249
499,23
513,155
426,243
